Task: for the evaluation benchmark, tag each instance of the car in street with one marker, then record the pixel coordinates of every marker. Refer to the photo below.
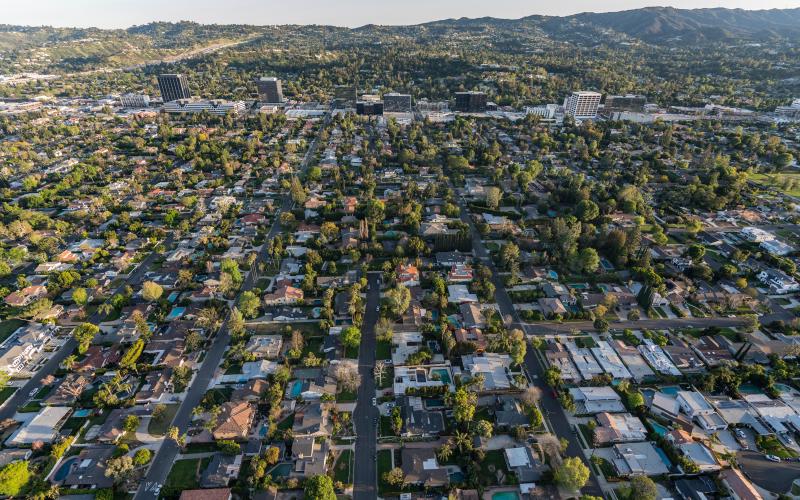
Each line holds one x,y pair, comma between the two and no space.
374,401
772,458
377,309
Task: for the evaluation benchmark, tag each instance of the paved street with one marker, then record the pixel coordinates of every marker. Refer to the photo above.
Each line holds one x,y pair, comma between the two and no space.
775,477
550,407
365,466
167,454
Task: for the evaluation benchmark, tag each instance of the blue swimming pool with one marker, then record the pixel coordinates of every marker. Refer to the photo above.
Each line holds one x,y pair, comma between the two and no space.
176,313
658,428
296,389
505,495
82,413
63,469
664,457
457,477
173,297
443,374
671,390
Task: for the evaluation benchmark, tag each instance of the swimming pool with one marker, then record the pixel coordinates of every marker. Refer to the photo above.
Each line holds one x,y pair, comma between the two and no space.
658,428
280,470
457,477
173,297
443,374
82,413
664,457
175,313
505,495
671,390
296,389
63,469
783,388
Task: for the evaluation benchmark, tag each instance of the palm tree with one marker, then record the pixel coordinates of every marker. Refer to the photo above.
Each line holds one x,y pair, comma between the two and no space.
445,452
462,440
69,362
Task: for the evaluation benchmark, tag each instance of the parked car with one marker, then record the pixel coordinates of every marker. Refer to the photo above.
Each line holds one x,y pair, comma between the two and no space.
772,458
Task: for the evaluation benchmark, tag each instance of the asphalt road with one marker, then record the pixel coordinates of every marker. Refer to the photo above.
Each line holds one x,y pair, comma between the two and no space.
774,477
23,394
365,463
159,469
551,408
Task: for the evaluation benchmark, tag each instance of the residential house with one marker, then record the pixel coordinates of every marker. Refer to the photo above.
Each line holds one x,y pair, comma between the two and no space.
284,295
309,455
593,400
494,368
618,428
234,421
221,470
696,452
88,471
421,468
44,426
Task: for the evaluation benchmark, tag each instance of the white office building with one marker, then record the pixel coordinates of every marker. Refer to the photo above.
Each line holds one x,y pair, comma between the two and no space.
582,105
214,107
134,100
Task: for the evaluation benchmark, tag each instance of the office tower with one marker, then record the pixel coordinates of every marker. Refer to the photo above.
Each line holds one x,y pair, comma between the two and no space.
582,105
396,103
173,87
134,100
627,102
471,102
369,108
344,96
269,89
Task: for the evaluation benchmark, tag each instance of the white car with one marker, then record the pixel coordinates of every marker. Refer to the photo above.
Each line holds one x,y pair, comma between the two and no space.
374,401
377,309
772,458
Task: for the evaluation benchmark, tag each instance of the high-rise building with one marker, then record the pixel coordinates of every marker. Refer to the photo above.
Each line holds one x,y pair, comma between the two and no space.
369,108
134,100
396,103
582,105
471,102
269,89
627,102
344,96
173,87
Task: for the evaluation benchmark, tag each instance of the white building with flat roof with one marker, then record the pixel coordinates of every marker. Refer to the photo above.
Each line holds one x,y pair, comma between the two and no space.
43,427
582,105
610,361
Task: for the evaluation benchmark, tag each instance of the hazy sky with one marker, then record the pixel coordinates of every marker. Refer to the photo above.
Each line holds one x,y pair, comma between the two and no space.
124,13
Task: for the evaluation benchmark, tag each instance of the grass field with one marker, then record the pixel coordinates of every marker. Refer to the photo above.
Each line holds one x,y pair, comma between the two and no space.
342,470
384,465
159,428
785,182
184,476
8,327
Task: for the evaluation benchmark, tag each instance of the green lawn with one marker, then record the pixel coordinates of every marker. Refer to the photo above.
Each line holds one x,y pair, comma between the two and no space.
286,423
159,427
386,426
383,350
342,470
184,476
384,465
771,446
387,379
778,180
346,396
494,461
6,393
8,327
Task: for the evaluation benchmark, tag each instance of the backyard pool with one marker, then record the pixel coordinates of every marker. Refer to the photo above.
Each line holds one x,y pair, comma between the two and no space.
658,428
175,313
296,389
750,389
280,470
173,297
63,469
443,374
434,403
505,495
671,390
82,413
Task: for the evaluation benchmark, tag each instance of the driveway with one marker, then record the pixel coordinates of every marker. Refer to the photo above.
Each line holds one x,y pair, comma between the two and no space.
774,477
